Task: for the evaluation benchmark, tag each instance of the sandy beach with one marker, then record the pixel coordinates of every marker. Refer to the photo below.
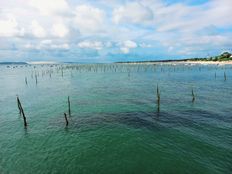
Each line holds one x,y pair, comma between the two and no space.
183,62
209,62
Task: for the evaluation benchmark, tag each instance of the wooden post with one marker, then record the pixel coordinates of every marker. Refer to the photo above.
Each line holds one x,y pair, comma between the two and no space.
158,98
24,118
36,81
22,111
18,103
224,76
66,119
69,107
193,96
26,80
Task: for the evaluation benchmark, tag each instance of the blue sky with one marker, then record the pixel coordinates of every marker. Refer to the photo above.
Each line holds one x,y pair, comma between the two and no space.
113,30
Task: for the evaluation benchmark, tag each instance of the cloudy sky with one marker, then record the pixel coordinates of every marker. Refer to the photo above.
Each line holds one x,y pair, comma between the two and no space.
113,30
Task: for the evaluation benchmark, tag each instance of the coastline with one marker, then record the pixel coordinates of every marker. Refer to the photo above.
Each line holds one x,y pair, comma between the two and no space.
205,62
211,62
182,62
172,62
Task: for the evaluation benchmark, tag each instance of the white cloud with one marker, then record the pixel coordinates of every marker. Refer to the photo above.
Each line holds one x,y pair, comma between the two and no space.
46,42
9,27
132,13
60,46
125,50
127,45
59,30
28,46
47,45
144,45
187,18
37,30
89,19
130,44
97,45
215,40
49,7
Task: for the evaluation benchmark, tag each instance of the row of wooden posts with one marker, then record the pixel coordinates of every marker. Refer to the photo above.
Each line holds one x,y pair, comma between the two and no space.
21,111
36,80
128,70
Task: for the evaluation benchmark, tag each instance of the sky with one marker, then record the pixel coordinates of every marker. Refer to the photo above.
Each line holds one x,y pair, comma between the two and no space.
113,30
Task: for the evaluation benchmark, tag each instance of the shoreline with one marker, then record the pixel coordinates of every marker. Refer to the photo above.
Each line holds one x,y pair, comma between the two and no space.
211,62
172,62
182,62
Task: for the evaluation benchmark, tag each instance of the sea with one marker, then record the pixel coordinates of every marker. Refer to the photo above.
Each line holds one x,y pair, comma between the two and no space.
117,123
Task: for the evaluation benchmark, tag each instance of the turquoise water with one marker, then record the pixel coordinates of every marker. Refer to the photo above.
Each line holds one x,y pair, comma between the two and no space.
115,126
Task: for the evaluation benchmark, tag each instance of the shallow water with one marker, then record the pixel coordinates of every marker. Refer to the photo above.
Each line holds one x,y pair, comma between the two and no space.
115,126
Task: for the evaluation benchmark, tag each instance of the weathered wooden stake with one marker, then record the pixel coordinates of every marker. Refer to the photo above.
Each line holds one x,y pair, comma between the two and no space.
36,81
18,103
69,107
193,96
66,119
224,76
158,98
24,118
22,111
26,80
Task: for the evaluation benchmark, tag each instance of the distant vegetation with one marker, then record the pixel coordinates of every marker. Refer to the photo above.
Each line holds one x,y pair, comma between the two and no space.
223,57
